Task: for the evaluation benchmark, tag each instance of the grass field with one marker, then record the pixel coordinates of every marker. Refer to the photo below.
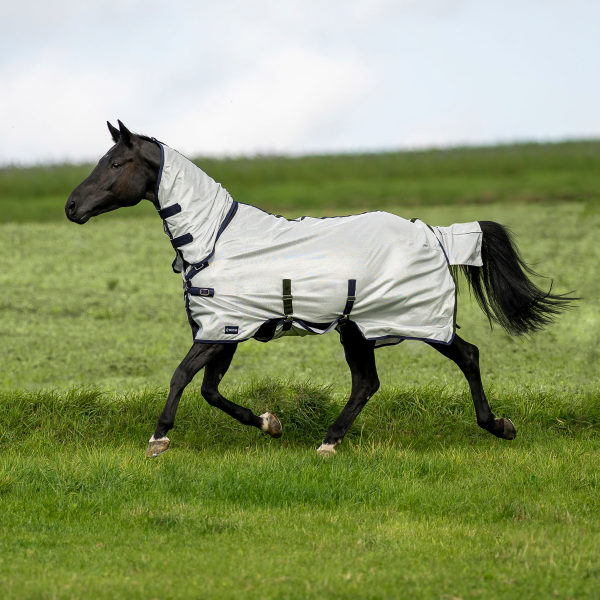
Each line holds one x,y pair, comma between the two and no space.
351,183
418,502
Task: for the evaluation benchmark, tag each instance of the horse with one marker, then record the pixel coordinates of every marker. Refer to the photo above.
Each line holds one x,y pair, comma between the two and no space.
200,218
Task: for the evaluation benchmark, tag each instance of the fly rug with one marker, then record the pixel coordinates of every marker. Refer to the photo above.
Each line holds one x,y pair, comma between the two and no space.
376,278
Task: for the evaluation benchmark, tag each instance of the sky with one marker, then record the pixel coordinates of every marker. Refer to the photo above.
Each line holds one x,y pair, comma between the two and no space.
233,77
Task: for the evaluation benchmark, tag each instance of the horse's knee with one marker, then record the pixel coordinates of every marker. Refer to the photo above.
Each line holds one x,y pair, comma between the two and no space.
469,361
373,387
210,394
471,353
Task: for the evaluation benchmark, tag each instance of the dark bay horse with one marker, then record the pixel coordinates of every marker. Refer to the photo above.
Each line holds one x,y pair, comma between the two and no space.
130,171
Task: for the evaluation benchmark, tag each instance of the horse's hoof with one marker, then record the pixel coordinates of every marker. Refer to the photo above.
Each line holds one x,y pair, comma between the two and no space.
510,431
326,450
271,425
157,447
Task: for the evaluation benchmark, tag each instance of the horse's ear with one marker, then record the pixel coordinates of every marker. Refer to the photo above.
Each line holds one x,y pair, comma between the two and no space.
125,134
114,132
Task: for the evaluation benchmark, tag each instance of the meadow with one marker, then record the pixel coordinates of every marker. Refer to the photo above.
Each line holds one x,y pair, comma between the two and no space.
417,503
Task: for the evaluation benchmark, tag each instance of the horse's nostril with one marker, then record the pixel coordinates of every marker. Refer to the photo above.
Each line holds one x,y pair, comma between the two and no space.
71,208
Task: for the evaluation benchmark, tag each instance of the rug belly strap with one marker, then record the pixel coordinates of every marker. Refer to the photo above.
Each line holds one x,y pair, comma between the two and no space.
288,307
349,301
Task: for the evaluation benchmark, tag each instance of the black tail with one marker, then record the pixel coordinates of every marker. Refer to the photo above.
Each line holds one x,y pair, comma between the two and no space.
502,287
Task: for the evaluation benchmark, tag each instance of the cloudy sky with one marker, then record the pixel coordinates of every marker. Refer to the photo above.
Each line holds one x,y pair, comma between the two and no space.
233,77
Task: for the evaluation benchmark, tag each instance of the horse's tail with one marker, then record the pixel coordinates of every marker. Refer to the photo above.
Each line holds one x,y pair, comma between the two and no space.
503,289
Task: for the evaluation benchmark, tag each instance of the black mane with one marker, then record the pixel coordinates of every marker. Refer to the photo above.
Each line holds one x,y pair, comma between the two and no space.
145,137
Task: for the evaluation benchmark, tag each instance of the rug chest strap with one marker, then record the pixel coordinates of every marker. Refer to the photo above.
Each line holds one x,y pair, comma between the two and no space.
182,240
288,307
169,211
198,291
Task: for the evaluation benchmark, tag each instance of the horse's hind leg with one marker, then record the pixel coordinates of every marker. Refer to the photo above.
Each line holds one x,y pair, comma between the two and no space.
466,356
214,372
360,356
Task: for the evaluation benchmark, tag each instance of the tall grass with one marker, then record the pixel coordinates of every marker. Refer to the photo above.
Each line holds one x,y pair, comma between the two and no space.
417,416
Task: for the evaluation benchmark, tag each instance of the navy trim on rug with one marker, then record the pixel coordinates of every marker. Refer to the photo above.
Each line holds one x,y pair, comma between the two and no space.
193,324
228,218
395,337
177,256
443,249
220,341
402,339
157,203
194,271
160,171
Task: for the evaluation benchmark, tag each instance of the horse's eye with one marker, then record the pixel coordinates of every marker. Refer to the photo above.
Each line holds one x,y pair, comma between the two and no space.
115,165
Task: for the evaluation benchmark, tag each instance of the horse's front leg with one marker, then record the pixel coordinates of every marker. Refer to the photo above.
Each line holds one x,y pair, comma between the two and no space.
360,356
198,356
466,357
213,374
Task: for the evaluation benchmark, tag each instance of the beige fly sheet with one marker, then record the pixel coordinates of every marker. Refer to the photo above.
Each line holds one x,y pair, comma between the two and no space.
243,267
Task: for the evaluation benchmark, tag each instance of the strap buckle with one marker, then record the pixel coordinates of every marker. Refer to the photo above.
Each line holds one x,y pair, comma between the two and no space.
287,323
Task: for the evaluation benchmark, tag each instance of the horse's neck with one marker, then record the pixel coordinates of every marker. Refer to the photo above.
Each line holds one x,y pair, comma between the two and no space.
193,205
181,181
150,154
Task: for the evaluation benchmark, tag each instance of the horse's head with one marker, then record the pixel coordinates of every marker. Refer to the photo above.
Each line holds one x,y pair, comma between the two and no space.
126,174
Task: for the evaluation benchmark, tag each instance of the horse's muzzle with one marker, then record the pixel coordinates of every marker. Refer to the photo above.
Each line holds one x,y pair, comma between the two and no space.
71,212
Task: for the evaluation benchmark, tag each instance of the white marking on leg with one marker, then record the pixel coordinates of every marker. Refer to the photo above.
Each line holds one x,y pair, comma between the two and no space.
265,423
271,425
326,449
153,439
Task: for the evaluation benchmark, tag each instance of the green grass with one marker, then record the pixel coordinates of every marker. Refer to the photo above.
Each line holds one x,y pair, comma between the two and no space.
350,183
418,502
417,417
99,305
401,511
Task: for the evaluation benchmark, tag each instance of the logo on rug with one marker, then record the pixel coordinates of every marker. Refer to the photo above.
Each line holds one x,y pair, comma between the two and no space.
230,329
